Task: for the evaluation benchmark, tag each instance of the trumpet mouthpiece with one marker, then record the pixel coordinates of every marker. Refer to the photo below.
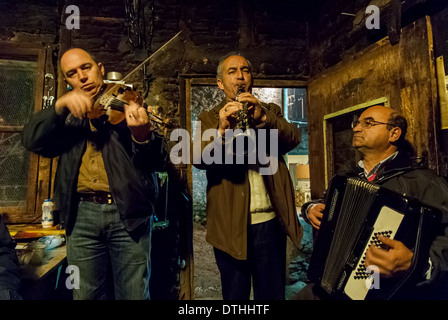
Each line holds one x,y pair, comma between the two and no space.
239,91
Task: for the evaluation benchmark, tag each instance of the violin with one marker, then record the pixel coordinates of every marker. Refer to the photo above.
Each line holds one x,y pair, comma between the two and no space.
113,97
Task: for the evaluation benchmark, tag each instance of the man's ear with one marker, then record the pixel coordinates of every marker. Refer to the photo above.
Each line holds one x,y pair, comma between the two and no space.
220,85
69,86
101,66
394,134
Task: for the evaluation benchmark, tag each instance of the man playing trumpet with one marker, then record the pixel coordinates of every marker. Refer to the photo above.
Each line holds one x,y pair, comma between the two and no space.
248,214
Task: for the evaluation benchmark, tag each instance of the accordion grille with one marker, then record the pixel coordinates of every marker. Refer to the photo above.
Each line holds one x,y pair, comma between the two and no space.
357,200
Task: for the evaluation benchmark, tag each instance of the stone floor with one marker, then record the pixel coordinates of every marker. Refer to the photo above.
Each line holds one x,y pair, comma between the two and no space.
298,265
207,279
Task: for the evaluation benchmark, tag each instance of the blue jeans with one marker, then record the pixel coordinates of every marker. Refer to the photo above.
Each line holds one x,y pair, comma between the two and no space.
265,266
111,263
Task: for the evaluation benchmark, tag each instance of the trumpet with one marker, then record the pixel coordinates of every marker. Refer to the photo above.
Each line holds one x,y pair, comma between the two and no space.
242,123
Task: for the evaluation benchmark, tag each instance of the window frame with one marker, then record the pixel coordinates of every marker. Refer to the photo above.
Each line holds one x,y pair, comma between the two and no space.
328,133
186,82
31,212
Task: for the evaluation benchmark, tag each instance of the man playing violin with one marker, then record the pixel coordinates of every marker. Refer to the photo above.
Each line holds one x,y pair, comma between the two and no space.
105,185
86,78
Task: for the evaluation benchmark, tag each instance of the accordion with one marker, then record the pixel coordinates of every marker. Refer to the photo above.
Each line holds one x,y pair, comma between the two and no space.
356,212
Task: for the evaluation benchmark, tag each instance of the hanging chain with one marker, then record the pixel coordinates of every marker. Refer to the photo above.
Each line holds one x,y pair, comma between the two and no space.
135,12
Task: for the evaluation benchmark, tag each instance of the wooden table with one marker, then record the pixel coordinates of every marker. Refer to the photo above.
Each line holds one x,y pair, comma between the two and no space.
44,281
52,259
34,229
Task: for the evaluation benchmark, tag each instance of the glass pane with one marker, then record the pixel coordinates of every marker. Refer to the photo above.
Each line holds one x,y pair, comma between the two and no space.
203,98
17,91
295,112
296,104
14,164
16,105
269,95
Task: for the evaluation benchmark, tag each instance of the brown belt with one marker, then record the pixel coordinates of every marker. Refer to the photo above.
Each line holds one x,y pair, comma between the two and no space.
97,197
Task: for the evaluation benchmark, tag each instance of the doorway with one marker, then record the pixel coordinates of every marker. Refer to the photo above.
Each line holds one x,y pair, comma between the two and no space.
203,94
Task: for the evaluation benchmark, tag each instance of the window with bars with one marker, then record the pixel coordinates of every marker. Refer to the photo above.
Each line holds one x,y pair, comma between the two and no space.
17,95
24,176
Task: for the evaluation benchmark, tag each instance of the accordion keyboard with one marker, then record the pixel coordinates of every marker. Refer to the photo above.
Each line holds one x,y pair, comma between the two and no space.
360,281
361,271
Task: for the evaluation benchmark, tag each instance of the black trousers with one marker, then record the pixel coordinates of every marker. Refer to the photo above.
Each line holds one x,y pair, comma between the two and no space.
265,266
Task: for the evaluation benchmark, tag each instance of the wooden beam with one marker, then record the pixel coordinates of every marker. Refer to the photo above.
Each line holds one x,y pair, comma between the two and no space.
11,128
393,22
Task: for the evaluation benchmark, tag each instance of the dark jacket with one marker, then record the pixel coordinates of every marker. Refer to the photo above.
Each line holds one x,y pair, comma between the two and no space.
130,166
9,266
422,184
228,187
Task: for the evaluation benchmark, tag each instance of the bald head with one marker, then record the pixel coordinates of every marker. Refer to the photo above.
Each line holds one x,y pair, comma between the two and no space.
72,54
379,132
380,112
392,117
82,72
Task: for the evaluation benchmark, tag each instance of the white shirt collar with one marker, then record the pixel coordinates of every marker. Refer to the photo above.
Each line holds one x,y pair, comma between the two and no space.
377,166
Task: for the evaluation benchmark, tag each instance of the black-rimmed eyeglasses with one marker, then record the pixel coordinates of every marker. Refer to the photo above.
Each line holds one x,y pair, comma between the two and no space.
368,123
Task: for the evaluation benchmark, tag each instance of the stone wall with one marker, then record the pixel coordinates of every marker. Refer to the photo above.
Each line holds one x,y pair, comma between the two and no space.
287,38
29,22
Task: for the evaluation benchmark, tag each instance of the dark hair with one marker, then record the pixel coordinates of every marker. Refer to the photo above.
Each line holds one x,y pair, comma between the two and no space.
396,119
